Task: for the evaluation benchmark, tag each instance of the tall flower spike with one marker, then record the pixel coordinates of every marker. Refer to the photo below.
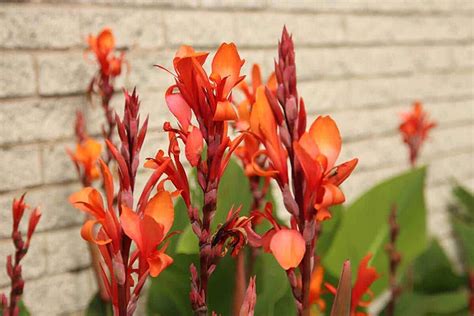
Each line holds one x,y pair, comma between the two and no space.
102,83
202,105
303,163
414,130
114,227
14,269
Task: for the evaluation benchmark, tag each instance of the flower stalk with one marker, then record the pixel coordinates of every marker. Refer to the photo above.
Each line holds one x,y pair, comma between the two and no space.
11,306
394,261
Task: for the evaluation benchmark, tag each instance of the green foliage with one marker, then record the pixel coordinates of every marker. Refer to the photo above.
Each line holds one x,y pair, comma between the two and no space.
447,304
432,272
463,224
97,307
364,226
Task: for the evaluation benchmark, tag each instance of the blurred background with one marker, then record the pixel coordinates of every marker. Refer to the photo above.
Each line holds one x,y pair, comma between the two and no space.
363,62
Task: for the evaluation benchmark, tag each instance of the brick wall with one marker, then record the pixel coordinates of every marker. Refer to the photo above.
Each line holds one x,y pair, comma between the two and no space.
361,61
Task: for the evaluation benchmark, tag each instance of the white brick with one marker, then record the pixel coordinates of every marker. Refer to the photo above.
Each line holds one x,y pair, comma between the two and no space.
38,27
33,120
66,251
245,4
17,77
56,155
199,28
20,167
64,73
54,295
386,29
464,56
132,28
451,168
264,29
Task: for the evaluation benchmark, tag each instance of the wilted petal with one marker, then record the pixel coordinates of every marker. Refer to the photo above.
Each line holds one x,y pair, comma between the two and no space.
326,135
288,247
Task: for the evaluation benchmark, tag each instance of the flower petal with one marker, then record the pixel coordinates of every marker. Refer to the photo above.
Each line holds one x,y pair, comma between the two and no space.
87,232
365,277
88,200
194,146
158,262
288,247
225,112
227,64
160,208
179,108
342,172
105,42
326,135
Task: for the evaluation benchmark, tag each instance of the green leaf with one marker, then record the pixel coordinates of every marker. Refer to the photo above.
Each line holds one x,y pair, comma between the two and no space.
448,304
169,293
464,233
466,198
97,307
364,226
432,272
328,231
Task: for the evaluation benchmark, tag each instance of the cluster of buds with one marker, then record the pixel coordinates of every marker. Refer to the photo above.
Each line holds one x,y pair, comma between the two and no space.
278,121
116,225
202,105
414,130
11,307
102,84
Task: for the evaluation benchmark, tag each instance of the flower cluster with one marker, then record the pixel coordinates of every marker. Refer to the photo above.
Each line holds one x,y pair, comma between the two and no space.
414,130
114,225
14,270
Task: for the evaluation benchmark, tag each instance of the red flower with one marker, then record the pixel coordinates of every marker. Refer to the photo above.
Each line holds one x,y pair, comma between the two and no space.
103,47
86,156
365,277
414,129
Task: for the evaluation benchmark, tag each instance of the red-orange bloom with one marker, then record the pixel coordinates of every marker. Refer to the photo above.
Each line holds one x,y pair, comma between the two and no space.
414,129
317,151
86,156
315,288
103,46
365,277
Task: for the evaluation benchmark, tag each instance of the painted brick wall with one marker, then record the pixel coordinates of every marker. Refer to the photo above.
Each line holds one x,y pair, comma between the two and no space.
362,61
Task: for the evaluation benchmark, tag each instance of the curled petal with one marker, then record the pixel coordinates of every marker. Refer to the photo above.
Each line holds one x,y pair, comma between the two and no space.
194,146
88,200
158,262
326,135
256,166
341,172
288,247
87,232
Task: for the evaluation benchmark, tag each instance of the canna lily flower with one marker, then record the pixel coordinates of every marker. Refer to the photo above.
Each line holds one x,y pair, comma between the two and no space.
365,277
149,231
103,46
264,126
86,156
317,151
414,129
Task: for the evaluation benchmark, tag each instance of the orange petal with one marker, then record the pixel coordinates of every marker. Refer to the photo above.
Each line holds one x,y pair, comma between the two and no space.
160,208
323,214
272,83
288,247
315,285
105,42
87,232
194,146
256,77
158,262
365,277
326,135
225,112
186,51
108,183
88,200
227,64
342,172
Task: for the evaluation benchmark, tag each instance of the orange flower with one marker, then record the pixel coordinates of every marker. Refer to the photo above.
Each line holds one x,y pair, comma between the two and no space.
414,129
317,151
315,288
103,46
149,231
365,277
86,156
